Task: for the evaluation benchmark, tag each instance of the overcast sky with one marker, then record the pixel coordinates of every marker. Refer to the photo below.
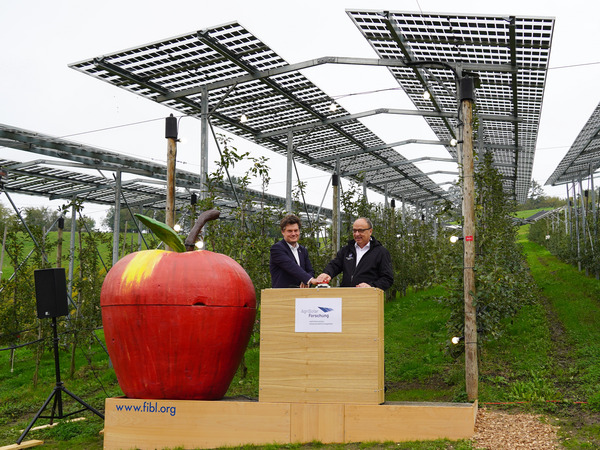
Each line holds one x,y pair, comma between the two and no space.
39,92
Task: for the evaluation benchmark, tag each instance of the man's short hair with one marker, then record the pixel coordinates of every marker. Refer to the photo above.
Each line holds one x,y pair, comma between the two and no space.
290,219
369,223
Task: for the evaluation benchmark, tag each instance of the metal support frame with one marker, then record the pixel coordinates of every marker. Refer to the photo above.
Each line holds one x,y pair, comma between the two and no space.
335,222
117,218
288,172
72,248
204,143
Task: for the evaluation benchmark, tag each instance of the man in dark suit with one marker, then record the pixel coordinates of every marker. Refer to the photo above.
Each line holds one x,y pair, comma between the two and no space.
364,261
289,264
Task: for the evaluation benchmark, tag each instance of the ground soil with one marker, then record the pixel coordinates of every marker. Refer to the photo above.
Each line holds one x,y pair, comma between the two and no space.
498,430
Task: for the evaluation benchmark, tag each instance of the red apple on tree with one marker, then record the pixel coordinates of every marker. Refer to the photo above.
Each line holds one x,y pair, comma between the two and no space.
177,323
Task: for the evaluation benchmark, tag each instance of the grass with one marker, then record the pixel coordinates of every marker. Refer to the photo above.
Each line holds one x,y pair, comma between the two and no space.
546,361
20,399
418,363
549,354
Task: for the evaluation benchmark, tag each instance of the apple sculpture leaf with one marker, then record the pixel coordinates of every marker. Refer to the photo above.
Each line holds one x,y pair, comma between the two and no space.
177,323
163,231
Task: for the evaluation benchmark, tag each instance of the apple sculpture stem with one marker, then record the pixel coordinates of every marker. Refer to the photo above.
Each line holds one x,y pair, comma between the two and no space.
206,216
177,323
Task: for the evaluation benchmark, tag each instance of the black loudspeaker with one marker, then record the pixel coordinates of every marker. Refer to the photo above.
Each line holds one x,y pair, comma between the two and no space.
51,292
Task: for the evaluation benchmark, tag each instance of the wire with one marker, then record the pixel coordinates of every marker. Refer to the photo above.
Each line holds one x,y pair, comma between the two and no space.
574,65
336,97
110,128
419,6
12,347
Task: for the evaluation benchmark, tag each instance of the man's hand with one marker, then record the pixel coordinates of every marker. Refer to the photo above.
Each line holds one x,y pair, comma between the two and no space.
311,281
363,285
323,278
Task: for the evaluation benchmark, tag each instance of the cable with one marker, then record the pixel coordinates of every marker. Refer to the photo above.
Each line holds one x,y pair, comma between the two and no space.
574,65
22,345
109,128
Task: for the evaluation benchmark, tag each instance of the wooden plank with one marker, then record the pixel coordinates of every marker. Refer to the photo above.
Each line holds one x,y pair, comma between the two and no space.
209,424
317,422
150,424
25,444
344,367
405,421
52,425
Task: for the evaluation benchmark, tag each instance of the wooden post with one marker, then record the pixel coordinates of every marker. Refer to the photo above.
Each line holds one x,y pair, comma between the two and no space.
2,252
171,135
471,366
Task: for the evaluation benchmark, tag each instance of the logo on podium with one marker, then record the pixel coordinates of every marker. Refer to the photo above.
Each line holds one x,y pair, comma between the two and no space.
318,315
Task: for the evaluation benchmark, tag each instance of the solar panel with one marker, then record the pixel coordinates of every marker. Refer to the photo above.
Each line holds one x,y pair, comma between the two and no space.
239,74
583,158
508,54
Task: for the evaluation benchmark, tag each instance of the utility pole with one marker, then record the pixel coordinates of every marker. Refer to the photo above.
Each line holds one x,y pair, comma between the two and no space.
171,135
467,94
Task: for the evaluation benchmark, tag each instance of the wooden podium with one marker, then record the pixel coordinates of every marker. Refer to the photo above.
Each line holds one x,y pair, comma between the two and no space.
321,379
321,365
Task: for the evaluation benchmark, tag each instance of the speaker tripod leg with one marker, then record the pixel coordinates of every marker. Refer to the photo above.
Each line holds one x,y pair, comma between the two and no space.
81,401
38,414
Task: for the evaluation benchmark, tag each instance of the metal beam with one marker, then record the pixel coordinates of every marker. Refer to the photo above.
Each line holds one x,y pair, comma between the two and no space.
399,163
377,148
258,75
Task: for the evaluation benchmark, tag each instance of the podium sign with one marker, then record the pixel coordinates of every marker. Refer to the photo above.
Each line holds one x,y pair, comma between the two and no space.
318,315
311,355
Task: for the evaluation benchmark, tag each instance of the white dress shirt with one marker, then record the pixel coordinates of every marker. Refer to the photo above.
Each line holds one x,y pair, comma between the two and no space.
294,249
361,251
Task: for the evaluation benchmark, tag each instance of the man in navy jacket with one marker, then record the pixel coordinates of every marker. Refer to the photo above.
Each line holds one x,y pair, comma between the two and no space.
364,261
289,264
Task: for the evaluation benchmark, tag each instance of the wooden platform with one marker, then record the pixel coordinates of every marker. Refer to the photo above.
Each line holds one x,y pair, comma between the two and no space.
321,379
151,424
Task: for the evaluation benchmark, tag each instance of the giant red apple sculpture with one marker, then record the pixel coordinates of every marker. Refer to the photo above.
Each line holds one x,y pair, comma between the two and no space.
177,323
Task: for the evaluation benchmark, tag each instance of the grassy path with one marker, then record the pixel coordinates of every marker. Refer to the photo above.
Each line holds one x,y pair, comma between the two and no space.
571,303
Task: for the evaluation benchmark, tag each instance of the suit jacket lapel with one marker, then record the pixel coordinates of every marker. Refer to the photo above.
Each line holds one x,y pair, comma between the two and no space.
300,258
291,254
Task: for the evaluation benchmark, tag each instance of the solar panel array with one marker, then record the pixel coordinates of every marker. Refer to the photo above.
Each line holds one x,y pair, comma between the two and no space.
508,54
228,61
583,158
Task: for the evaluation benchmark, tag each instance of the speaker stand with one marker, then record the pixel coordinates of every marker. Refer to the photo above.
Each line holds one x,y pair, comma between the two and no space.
56,394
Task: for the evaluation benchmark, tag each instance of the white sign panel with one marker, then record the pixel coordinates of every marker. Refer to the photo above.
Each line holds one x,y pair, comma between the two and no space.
318,315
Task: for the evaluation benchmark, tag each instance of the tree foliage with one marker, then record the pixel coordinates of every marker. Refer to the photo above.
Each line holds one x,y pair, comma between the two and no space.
416,237
503,281
571,233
